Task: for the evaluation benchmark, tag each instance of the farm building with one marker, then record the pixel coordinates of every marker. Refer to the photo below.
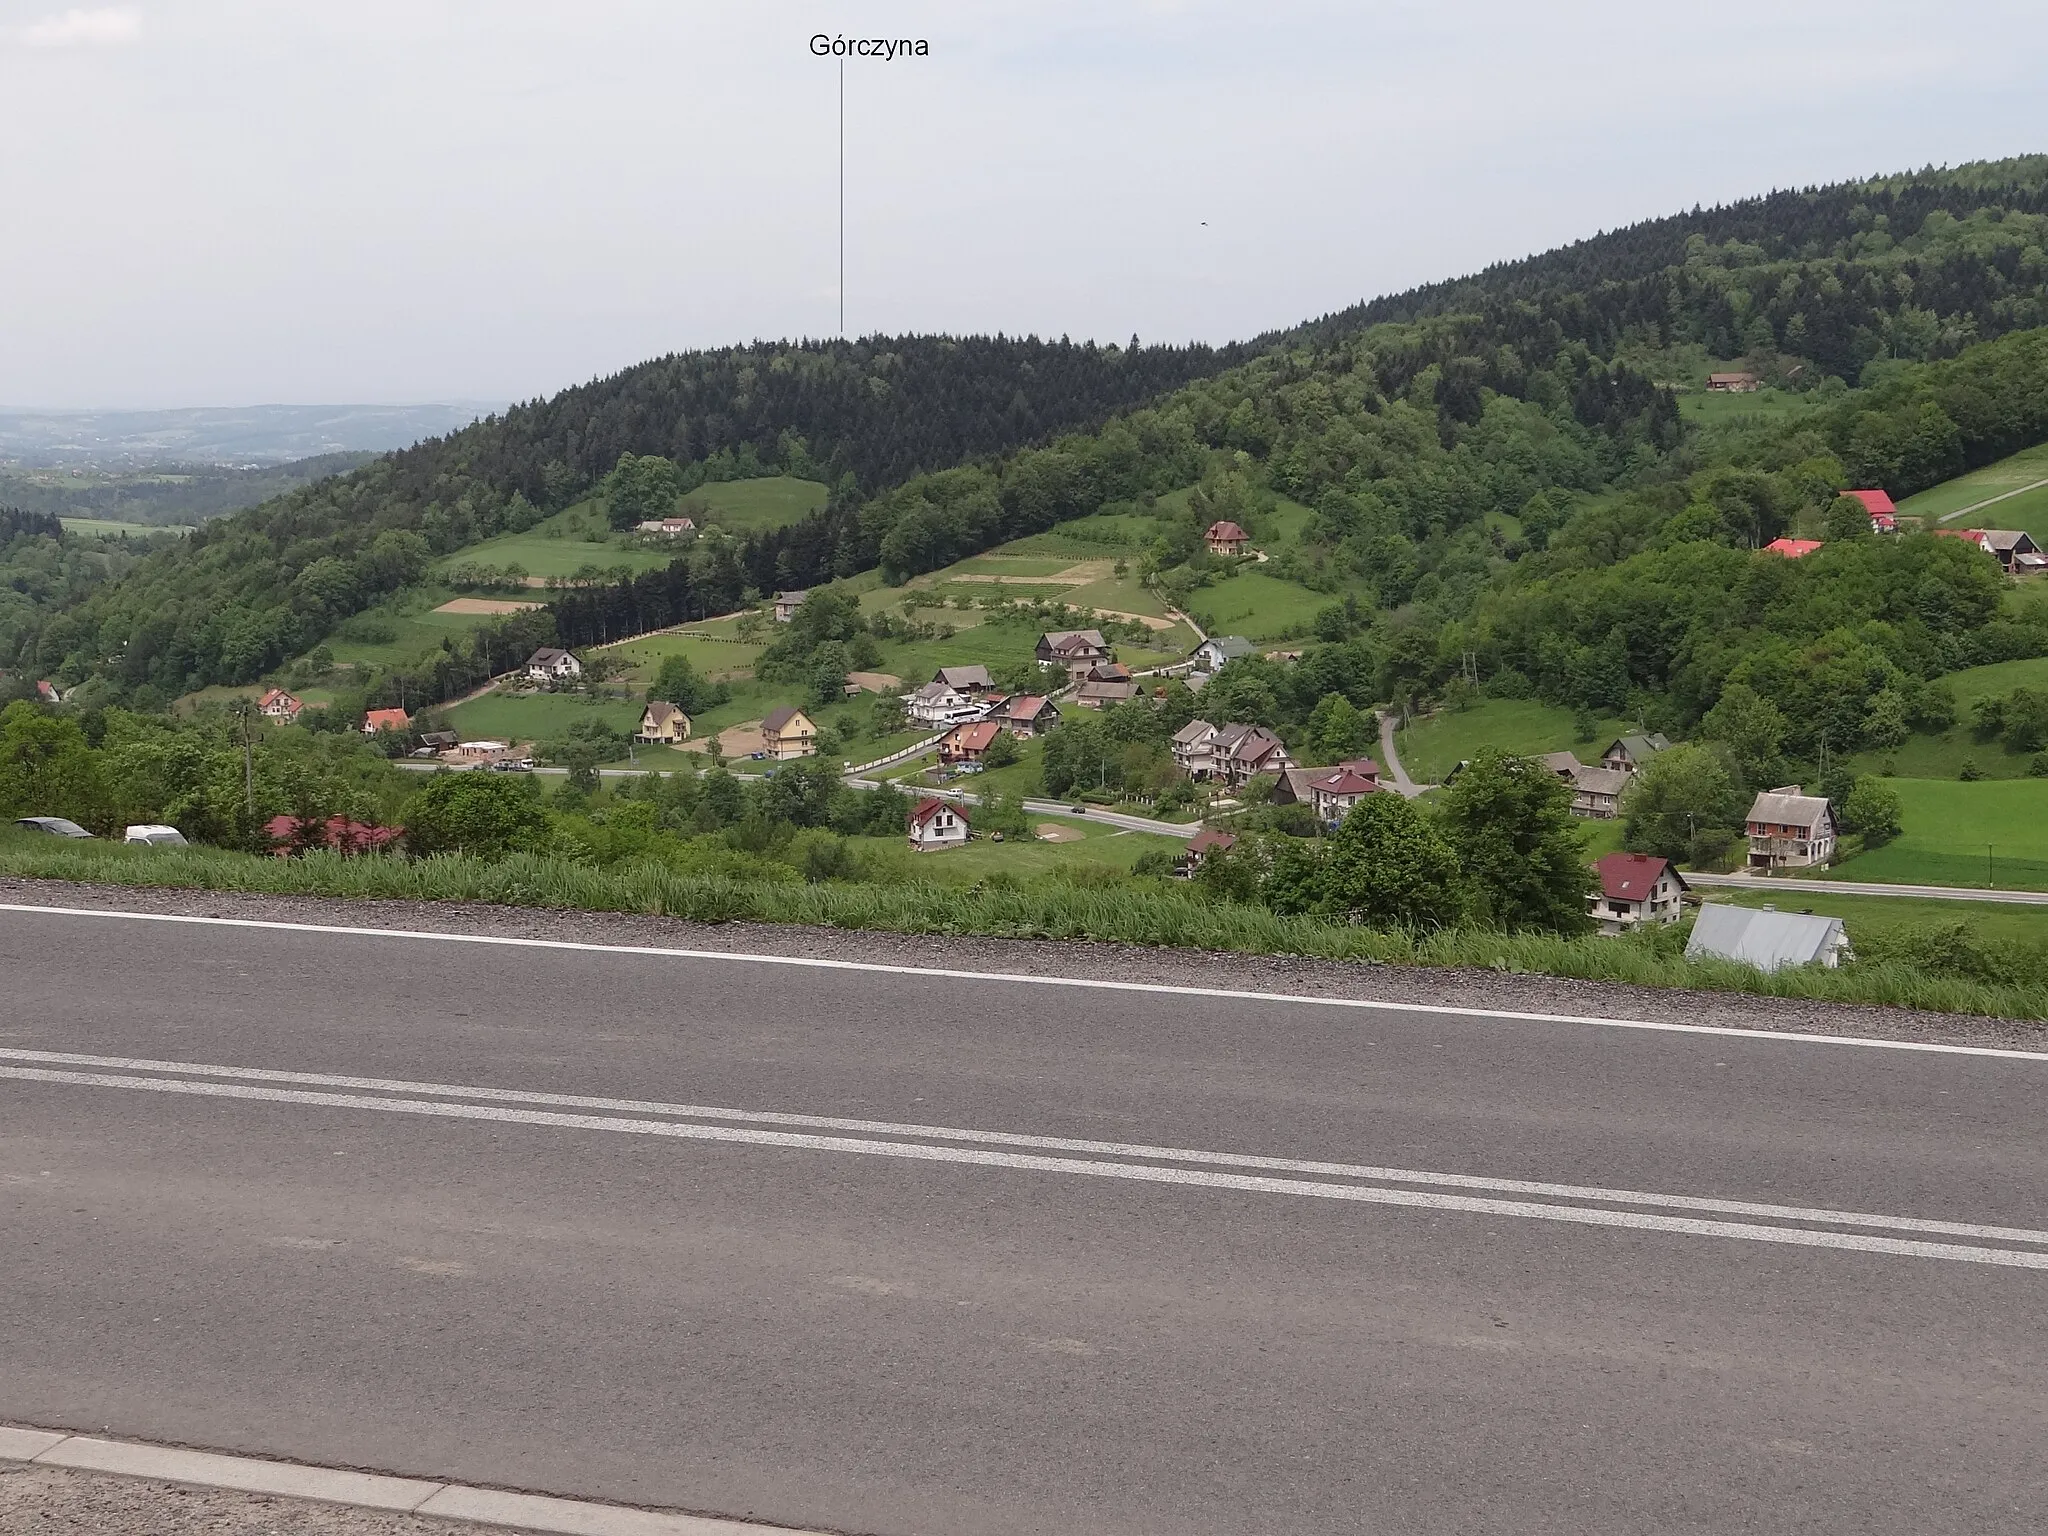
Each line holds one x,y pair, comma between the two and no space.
1733,383
1767,938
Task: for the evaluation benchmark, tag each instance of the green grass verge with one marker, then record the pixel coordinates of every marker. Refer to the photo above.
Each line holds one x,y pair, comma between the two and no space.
1047,908
1958,834
1431,748
2022,469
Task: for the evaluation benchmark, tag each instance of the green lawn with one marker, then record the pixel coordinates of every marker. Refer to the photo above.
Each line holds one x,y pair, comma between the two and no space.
1765,404
1949,829
537,716
415,629
560,545
107,528
711,658
1985,920
981,857
1258,606
2023,468
1431,748
754,506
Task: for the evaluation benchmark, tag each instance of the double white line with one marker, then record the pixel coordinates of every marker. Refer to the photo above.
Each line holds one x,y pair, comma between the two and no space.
1858,1231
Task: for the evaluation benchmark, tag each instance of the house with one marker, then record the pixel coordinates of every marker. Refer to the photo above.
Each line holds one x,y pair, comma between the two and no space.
46,691
2015,551
667,527
1767,938
936,704
1596,792
280,706
1333,791
1790,830
1792,549
471,753
1231,754
786,605
1200,846
1108,672
1226,538
1884,517
1732,383
1075,649
787,733
1213,652
1565,765
549,665
438,741
1028,714
289,834
973,681
969,743
663,722
1630,753
1635,888
937,823
386,720
1094,695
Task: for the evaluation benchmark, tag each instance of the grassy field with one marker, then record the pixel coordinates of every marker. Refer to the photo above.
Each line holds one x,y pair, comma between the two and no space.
105,528
1942,755
1957,834
536,716
1258,606
2022,469
416,629
560,545
1766,404
1985,920
754,506
712,658
1431,748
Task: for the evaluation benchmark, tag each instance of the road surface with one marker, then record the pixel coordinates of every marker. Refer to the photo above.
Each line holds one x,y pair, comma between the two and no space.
1793,890
877,1250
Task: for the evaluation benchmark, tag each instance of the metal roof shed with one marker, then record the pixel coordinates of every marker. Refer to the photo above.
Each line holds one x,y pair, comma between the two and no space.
1766,938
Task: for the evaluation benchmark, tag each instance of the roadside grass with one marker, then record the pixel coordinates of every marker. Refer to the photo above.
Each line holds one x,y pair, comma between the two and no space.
2023,468
1432,747
1957,834
755,506
1048,907
537,716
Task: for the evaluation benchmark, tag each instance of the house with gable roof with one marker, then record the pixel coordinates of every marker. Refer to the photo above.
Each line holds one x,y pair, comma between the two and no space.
1635,888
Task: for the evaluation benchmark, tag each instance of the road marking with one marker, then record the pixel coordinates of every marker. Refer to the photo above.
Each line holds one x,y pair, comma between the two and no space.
1040,1143
1035,1163
1082,983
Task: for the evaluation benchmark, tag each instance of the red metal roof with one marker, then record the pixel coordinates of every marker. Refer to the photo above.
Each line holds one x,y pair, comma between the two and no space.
1225,531
1792,549
975,737
1630,876
380,719
931,805
1874,502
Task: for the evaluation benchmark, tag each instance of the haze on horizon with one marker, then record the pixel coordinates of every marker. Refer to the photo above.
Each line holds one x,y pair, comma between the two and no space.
221,201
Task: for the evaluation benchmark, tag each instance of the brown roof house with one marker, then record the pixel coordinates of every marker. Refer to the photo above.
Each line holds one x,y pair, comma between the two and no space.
1333,791
968,680
1226,538
788,733
662,722
279,706
1789,829
969,743
1635,888
1596,792
1098,694
1230,754
937,823
1028,714
1200,846
1078,650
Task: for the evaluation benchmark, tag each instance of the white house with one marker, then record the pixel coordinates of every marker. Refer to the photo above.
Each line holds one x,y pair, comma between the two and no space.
1213,652
1229,753
936,704
548,665
1635,888
937,823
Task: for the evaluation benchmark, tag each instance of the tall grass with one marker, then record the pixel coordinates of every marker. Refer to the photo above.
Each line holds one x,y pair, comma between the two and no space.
1045,909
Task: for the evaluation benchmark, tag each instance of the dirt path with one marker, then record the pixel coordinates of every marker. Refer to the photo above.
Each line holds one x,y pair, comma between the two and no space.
1978,506
1391,761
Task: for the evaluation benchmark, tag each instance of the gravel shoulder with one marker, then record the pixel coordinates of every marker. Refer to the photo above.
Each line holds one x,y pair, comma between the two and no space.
56,1501
1446,987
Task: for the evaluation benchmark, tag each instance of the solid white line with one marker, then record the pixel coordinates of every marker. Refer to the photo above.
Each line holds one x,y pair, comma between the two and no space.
1086,983
1044,1143
1138,1172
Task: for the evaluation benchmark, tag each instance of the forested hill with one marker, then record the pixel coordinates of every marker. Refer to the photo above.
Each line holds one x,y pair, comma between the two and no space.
1837,275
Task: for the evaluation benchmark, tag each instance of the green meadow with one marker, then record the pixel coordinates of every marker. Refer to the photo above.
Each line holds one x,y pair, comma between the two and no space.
1989,832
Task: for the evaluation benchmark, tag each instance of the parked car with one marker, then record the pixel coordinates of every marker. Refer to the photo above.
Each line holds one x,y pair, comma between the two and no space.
151,835
513,765
56,826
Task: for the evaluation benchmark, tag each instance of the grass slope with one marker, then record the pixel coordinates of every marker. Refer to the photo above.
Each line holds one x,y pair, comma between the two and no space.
2022,469
754,506
1430,748
1948,829
560,545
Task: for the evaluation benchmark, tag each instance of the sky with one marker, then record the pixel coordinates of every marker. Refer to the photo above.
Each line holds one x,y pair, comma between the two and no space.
231,202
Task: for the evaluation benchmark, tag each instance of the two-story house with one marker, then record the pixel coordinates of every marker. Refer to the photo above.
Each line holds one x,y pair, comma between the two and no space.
788,733
936,704
1789,829
1635,888
549,665
937,823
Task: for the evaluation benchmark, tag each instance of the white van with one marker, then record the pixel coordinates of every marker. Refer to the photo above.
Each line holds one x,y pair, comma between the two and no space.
154,836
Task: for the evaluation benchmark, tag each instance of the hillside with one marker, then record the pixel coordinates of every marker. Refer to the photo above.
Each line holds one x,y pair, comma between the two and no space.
1434,436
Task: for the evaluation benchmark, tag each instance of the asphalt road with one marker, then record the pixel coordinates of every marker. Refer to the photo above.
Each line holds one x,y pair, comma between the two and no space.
774,1240
1793,888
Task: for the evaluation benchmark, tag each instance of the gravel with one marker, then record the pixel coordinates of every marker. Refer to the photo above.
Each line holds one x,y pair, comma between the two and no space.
55,1501
1471,988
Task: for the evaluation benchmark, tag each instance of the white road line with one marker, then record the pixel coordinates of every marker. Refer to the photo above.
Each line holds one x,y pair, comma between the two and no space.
1044,1143
1138,1172
1084,983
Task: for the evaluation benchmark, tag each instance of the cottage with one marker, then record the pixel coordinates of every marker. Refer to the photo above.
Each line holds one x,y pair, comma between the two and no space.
935,704
1100,695
667,527
1767,938
1596,792
46,691
1635,888
1075,649
1230,754
969,743
1028,714
1226,538
937,823
2014,550
1631,753
1790,830
386,720
1333,791
1884,517
1213,652
280,706
549,665
1565,765
1733,383
663,722
1200,846
972,681
1109,672
786,605
788,733
1792,549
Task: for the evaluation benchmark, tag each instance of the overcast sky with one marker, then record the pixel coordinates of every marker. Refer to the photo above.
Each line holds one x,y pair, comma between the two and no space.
212,202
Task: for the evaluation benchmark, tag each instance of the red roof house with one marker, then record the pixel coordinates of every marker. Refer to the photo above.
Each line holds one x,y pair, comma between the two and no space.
291,835
968,743
937,823
1792,549
1635,888
276,704
1226,538
386,720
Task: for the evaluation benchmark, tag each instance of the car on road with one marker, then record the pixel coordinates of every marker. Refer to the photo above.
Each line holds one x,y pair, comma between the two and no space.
151,835
1078,810
56,826
513,765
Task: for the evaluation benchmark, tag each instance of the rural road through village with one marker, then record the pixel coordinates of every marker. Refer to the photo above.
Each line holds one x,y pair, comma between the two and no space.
871,1249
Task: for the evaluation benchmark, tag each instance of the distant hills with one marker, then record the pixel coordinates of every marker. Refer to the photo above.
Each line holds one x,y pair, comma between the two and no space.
223,435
